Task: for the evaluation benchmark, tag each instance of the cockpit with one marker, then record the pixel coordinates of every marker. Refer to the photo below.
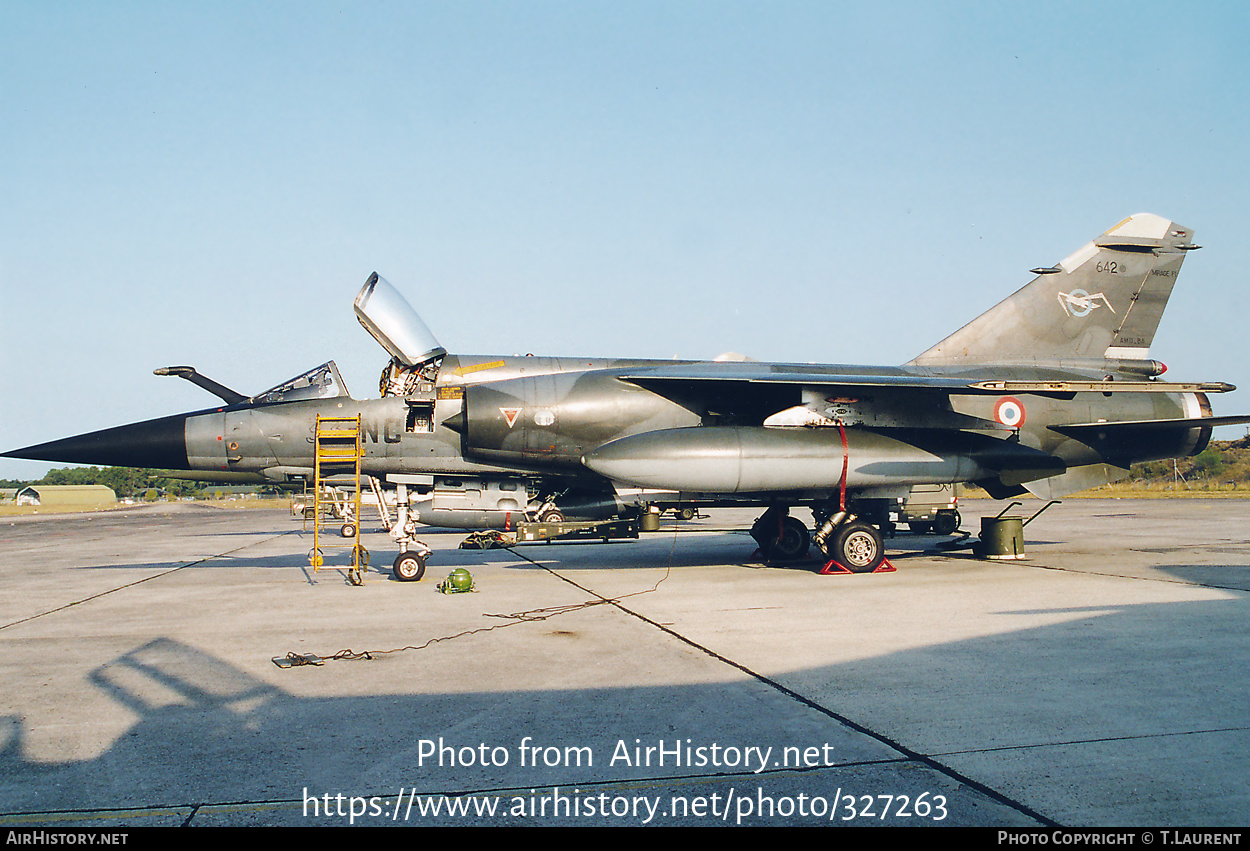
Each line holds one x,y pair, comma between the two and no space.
322,382
411,372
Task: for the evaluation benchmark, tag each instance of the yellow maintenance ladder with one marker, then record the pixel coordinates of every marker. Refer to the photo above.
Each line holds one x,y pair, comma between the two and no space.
337,453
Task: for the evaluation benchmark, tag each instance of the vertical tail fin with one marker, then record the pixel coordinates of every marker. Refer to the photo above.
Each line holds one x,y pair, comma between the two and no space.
1104,300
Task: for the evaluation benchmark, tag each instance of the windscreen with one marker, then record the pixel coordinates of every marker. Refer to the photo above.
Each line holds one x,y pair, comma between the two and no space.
323,382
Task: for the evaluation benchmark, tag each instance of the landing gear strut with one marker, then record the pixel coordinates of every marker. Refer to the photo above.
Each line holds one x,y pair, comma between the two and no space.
409,565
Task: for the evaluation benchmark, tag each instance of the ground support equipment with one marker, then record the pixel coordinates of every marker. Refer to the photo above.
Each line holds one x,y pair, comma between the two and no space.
337,450
565,531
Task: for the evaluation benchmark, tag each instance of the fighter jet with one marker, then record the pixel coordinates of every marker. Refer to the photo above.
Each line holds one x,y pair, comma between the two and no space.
1051,391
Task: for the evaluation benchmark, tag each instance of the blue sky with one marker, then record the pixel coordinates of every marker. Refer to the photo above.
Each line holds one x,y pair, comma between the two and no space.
211,183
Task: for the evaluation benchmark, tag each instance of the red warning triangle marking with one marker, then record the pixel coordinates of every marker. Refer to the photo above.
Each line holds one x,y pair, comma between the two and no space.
510,414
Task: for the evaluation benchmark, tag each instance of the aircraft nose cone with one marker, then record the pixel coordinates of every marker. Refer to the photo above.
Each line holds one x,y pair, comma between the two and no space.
157,443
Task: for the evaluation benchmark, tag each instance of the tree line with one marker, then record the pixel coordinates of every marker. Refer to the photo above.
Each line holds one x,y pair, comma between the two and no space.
125,481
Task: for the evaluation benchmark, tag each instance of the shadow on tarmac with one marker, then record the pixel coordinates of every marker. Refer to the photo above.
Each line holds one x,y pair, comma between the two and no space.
1096,724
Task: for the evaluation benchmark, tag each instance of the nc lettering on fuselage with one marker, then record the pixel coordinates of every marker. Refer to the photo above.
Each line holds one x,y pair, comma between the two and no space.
392,430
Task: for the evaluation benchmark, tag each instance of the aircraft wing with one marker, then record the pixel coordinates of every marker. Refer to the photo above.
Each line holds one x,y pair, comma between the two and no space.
1120,442
751,392
693,374
1128,428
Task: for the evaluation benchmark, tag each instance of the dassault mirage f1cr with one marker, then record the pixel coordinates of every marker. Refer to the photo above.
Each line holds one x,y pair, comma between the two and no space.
1050,392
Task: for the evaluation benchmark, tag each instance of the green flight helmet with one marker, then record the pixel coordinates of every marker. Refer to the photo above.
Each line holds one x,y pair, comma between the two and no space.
457,582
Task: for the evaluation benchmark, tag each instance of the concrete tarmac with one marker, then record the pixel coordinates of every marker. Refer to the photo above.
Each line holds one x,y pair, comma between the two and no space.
670,680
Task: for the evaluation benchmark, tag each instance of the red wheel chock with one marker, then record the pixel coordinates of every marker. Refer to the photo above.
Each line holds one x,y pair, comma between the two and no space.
836,568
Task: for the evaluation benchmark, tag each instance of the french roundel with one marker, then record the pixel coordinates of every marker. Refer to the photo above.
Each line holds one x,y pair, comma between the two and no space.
1009,411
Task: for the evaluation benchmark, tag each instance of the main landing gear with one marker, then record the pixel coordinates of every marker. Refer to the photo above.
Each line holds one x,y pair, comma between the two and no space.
780,536
850,544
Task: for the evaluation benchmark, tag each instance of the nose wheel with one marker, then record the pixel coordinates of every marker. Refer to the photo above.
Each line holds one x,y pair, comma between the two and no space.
409,566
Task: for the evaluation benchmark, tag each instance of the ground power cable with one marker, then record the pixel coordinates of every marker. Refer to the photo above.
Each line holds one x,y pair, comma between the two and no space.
913,755
529,616
296,660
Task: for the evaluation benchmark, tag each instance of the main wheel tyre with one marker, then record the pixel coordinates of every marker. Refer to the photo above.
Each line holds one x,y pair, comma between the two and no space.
947,522
409,567
793,543
348,530
859,547
552,516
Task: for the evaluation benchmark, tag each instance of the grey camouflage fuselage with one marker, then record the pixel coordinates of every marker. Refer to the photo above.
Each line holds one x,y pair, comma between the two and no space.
1050,391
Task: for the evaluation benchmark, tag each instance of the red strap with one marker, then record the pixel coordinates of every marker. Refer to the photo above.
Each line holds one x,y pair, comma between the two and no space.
845,464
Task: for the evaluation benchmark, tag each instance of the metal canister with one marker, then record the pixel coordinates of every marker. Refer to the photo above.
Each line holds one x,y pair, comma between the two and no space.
1002,538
